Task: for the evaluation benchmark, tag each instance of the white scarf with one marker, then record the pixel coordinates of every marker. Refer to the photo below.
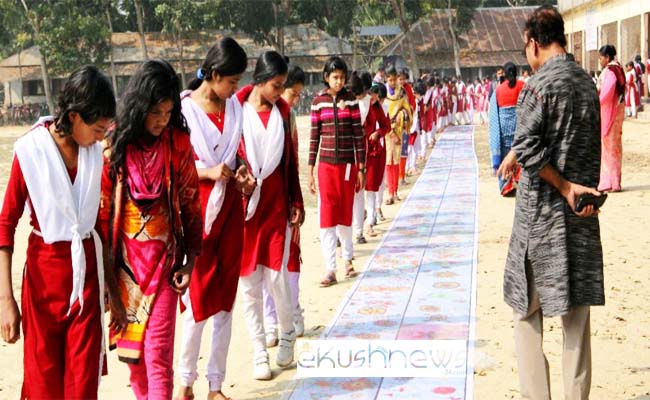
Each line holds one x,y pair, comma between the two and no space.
416,118
65,211
213,147
264,148
427,95
364,108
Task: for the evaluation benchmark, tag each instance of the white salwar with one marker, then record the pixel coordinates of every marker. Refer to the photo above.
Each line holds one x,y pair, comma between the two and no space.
212,147
264,149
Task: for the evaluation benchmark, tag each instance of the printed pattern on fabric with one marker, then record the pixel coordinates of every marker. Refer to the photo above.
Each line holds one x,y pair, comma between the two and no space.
420,282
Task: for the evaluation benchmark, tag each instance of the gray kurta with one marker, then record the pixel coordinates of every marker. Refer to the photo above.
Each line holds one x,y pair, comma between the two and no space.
558,123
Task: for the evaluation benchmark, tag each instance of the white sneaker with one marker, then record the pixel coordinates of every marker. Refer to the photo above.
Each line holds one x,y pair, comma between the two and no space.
286,349
261,367
299,323
272,338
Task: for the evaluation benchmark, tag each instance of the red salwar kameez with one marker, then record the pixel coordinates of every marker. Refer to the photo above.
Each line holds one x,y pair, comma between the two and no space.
62,344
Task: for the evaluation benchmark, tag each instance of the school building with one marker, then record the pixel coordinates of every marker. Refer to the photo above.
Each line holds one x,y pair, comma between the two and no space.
494,38
305,45
590,24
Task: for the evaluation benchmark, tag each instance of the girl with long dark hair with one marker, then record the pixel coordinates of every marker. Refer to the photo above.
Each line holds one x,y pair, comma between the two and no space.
214,116
150,195
56,170
273,207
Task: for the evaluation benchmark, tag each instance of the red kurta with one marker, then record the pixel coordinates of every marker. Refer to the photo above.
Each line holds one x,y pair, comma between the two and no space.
376,155
429,114
215,277
61,352
410,95
265,233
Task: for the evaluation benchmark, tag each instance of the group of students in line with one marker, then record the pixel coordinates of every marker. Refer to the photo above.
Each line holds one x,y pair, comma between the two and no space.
189,196
163,197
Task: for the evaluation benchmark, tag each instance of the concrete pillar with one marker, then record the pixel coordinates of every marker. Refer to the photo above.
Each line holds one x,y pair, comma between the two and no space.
619,47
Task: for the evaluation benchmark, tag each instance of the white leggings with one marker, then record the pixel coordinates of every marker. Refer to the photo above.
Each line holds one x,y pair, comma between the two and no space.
328,238
358,212
270,314
191,345
277,283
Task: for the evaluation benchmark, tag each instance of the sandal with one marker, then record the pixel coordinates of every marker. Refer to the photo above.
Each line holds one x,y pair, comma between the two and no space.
185,397
350,272
213,395
329,280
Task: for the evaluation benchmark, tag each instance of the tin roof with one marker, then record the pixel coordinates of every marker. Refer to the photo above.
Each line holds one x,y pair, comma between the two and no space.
305,44
494,38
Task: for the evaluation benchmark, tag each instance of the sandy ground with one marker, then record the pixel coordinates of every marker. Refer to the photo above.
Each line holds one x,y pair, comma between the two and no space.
621,350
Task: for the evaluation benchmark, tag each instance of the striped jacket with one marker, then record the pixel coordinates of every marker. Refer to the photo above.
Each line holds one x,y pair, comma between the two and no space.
336,129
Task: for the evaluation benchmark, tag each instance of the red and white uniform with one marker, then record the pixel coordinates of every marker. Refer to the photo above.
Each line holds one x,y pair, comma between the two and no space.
267,149
61,311
469,103
358,207
632,98
213,285
639,78
377,120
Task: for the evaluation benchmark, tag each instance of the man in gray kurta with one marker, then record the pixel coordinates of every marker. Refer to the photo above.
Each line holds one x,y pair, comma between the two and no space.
555,262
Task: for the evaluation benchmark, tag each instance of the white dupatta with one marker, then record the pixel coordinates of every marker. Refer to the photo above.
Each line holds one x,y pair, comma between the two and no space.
428,94
213,147
364,108
264,149
65,211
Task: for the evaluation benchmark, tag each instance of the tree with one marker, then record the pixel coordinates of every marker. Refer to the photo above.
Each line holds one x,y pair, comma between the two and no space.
266,20
405,26
108,6
336,17
263,20
67,34
179,16
35,21
459,16
12,24
139,18
516,3
22,39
